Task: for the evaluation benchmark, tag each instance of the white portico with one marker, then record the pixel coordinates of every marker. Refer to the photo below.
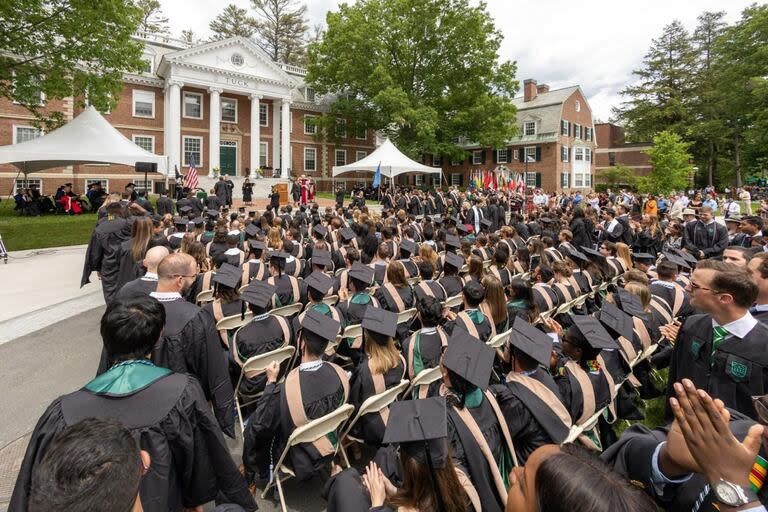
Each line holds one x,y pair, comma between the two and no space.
229,67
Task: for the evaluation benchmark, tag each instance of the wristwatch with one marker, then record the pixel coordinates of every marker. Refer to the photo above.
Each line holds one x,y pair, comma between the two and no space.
733,495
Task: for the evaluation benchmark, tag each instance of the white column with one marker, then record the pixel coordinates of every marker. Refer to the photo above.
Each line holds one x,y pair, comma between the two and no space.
255,134
275,135
214,120
173,150
285,138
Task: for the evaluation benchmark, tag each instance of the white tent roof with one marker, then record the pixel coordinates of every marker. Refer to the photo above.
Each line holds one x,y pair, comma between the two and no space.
88,138
392,161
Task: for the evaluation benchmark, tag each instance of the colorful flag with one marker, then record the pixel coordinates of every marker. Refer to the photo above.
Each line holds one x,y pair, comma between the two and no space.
190,180
377,177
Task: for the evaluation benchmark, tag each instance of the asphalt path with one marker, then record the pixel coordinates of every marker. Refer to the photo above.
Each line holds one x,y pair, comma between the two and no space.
61,358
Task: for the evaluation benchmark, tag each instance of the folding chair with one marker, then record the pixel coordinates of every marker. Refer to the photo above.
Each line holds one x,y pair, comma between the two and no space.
464,269
452,302
256,364
414,280
499,340
204,296
232,323
339,271
242,288
372,404
308,433
289,310
486,264
406,316
331,300
425,377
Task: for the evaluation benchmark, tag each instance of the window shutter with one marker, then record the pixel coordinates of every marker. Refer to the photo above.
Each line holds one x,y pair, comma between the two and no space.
495,156
482,157
538,154
538,180
461,179
521,155
570,129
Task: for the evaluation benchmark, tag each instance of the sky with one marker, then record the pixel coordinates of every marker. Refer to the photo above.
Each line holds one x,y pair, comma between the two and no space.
592,43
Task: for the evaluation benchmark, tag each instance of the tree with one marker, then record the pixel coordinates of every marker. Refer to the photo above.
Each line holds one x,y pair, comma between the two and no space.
280,30
425,72
618,176
66,48
232,22
152,20
188,36
670,161
660,99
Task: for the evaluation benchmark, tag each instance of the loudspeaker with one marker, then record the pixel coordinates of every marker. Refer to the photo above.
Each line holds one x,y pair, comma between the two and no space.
146,167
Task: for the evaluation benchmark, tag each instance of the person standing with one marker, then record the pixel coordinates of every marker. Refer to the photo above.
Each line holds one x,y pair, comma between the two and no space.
164,204
274,199
746,197
247,191
220,189
230,188
705,238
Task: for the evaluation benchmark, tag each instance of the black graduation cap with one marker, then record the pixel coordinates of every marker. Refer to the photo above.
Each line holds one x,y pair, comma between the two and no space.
531,341
690,258
380,321
319,281
361,272
228,275
259,293
322,258
252,229
677,260
212,214
257,244
545,220
593,331
485,222
241,209
616,320
592,254
469,358
128,185
643,257
452,241
347,234
320,325
198,221
320,230
437,219
408,246
421,428
185,209
629,302
280,255
461,228
454,260
179,222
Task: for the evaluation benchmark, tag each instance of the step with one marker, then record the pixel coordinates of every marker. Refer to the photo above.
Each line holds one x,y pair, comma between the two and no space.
262,187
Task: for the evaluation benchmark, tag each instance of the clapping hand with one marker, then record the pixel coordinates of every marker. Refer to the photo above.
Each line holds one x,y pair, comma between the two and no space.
670,331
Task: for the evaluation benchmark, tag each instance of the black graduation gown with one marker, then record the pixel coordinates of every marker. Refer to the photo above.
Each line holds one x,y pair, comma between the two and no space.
118,269
485,327
370,428
739,370
284,294
453,285
572,394
171,419
386,300
270,425
105,239
254,338
668,294
164,206
137,288
437,291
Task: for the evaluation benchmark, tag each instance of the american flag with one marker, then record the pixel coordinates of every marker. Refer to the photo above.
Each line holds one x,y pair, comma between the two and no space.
190,180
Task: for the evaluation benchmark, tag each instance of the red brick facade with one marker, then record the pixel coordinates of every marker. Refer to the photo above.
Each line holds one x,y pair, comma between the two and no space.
613,150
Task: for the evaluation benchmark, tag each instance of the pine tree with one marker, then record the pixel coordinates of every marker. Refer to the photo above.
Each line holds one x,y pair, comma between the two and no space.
188,36
152,21
281,29
232,22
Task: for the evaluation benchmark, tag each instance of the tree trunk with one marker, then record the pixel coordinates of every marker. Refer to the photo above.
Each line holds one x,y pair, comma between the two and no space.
711,165
737,159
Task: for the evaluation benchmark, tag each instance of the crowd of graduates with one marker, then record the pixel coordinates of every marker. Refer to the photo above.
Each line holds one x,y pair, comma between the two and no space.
476,351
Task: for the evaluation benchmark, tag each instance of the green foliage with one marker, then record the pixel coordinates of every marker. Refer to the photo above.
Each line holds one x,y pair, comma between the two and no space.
232,22
66,48
422,71
670,159
618,176
281,29
152,19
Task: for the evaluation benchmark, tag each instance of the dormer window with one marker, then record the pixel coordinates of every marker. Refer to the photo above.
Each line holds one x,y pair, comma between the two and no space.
529,128
578,106
310,94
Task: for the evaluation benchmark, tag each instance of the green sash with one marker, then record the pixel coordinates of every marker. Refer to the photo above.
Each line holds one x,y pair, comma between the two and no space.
126,378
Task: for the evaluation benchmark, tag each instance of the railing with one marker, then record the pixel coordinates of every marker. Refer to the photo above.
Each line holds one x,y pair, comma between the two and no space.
296,70
163,39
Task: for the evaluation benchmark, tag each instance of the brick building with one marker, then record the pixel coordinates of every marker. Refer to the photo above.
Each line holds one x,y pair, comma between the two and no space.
223,103
556,133
613,150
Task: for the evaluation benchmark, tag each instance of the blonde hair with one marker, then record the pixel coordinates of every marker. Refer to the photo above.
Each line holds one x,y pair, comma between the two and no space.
622,252
141,233
426,253
186,241
495,298
382,357
274,240
641,291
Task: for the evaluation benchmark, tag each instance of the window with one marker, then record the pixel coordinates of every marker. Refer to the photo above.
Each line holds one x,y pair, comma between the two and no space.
263,148
309,125
577,131
33,183
147,65
228,110
587,155
530,128
565,126
477,157
309,93
530,179
436,161
419,180
565,180
611,158
340,157
436,180
141,185
192,148
588,180
310,158
579,154
579,180
577,106
455,179
563,153
91,181
515,154
146,142
530,154
143,104
341,128
360,132
193,105
501,156
263,114
25,133
359,155
588,133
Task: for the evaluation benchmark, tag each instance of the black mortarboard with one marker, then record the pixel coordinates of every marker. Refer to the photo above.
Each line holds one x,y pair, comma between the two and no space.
362,273
198,221
319,281
128,185
228,275
212,214
322,258
179,221
593,331
454,260
259,293
420,425
320,325
629,302
252,229
616,320
241,209
643,257
531,341
257,244
452,241
185,209
677,260
469,358
408,246
485,222
461,228
592,254
690,258
347,234
279,255
320,230
252,213
380,321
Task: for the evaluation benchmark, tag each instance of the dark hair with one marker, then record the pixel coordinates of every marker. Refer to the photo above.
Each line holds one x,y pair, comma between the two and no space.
522,290
130,327
575,480
430,311
315,345
91,466
736,281
526,362
426,270
666,269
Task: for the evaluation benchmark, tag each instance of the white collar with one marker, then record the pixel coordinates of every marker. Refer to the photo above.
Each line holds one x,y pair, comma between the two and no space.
150,276
311,366
259,318
232,252
178,235
166,296
235,232
428,330
740,327
665,284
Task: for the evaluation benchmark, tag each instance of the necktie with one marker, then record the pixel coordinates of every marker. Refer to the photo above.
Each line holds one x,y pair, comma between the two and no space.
718,335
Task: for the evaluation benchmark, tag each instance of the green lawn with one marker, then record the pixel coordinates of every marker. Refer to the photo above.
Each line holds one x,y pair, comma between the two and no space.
21,233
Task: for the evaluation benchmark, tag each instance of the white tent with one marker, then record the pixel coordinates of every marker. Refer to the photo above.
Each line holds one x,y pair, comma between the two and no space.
392,161
88,138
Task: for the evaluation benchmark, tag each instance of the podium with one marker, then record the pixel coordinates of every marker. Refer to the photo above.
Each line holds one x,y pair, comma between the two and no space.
282,189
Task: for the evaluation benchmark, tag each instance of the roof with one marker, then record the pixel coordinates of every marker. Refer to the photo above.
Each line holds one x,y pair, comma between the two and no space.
391,161
553,97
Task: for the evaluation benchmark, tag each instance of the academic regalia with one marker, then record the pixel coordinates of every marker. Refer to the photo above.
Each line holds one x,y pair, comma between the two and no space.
423,350
503,273
429,288
287,290
169,416
545,297
137,288
363,384
452,285
254,269
674,295
117,269
569,382
105,239
235,257
395,299
475,322
261,335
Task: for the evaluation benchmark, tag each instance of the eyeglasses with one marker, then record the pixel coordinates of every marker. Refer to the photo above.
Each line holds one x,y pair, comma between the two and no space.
695,286
760,403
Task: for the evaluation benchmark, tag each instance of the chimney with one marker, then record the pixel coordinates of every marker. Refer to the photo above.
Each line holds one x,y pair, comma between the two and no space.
541,89
529,89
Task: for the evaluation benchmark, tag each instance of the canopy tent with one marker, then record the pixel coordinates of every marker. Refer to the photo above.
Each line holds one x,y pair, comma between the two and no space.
88,138
392,162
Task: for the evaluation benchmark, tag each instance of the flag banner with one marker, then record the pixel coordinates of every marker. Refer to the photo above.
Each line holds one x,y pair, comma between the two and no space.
190,180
